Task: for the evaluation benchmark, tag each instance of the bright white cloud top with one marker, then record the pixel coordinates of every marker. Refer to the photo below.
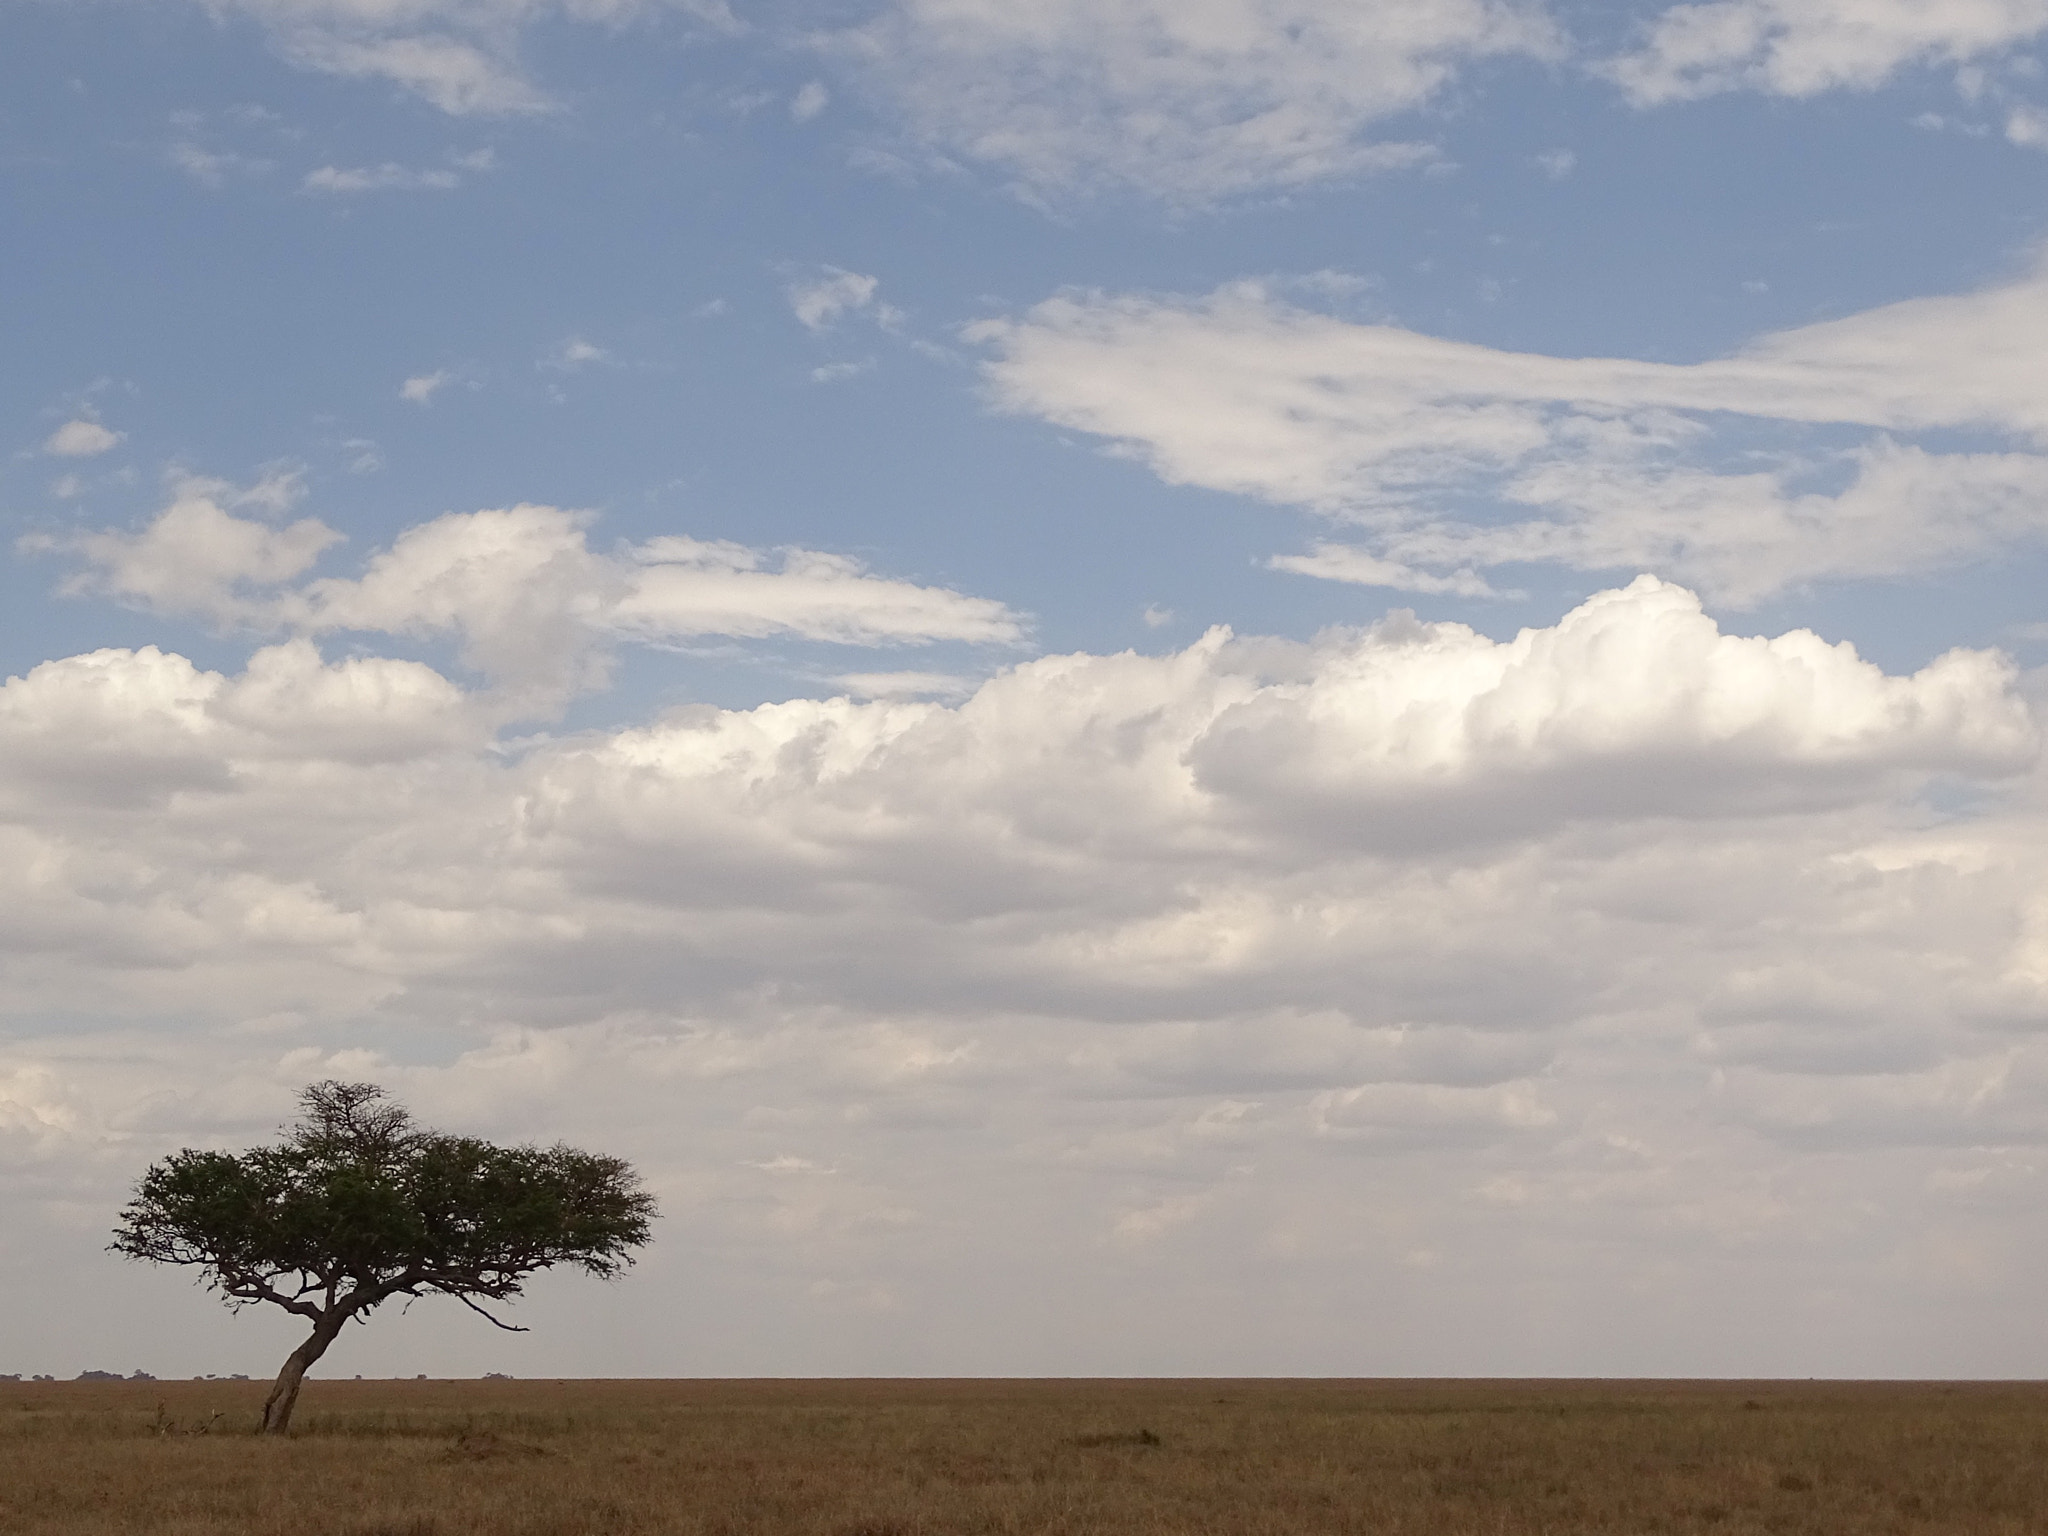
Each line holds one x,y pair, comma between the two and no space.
1389,719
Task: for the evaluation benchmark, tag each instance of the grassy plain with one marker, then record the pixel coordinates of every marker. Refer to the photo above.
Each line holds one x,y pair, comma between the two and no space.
939,1458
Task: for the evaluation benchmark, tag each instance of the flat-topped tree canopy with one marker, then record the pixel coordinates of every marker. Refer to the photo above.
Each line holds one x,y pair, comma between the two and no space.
358,1204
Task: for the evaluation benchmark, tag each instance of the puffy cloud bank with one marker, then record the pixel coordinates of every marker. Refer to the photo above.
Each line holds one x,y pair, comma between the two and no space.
1505,979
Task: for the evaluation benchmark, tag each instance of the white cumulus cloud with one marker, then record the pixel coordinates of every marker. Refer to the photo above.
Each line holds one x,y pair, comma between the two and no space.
81,439
421,388
519,589
575,353
820,301
1277,962
197,557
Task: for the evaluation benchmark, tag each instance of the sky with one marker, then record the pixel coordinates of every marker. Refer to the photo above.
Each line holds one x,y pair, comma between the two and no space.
1164,687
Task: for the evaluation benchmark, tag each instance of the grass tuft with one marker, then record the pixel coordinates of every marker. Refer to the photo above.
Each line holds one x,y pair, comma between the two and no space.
1133,1437
485,1445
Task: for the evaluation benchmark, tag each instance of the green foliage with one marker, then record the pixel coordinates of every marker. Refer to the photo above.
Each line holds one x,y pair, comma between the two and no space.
358,1204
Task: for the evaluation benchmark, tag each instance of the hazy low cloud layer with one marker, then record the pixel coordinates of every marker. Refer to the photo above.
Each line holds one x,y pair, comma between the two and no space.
1594,463
1329,965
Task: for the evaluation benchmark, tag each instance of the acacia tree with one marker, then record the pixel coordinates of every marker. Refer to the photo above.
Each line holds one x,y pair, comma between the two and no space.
358,1204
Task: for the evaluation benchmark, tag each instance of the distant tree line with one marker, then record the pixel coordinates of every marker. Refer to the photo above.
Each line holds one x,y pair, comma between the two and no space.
91,1376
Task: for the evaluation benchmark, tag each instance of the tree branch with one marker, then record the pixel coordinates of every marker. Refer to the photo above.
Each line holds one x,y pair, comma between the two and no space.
480,1312
250,1288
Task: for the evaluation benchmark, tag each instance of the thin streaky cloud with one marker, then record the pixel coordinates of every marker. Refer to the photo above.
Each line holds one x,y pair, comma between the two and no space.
1591,463
378,178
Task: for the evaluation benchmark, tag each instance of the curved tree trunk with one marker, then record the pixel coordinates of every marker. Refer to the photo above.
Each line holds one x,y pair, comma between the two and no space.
284,1396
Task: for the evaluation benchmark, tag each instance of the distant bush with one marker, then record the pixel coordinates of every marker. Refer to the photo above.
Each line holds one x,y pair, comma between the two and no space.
1133,1437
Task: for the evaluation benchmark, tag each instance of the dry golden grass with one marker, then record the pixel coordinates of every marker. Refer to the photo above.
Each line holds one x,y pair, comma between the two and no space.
923,1458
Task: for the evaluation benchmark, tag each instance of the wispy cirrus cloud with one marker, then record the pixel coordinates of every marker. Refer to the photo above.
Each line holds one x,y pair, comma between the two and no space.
1182,102
215,168
1804,47
388,177
463,56
1587,463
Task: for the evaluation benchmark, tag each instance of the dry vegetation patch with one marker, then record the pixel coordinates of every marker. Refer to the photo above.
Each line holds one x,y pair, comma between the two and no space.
953,1458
